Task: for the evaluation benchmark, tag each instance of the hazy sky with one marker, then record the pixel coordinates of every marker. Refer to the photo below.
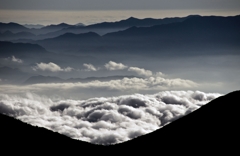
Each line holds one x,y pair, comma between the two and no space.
94,11
118,5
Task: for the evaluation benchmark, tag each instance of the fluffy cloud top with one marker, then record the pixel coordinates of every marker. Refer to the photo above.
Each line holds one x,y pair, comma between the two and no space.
14,59
89,67
140,71
104,120
51,67
115,66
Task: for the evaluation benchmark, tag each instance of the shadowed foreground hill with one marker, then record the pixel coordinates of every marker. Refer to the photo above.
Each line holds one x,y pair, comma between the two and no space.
210,129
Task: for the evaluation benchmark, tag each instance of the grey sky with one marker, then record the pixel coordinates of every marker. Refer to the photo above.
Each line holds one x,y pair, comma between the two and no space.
118,5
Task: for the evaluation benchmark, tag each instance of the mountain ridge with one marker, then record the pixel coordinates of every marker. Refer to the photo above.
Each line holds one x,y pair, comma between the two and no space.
203,32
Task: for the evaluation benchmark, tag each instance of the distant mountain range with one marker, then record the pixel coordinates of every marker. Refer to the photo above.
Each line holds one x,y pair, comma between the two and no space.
107,27
192,35
213,128
196,32
51,31
16,28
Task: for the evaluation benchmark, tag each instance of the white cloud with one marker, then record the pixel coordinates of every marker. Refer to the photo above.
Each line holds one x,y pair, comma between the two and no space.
115,66
89,67
14,59
104,120
160,74
140,71
51,67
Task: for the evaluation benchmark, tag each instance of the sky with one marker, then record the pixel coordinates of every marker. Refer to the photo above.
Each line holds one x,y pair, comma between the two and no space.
118,5
94,11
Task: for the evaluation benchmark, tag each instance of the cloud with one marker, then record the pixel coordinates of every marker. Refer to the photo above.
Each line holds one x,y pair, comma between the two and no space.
51,67
160,74
140,71
102,88
89,67
14,59
105,120
115,66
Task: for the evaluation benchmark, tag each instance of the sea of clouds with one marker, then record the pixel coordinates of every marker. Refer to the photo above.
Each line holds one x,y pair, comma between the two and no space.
104,120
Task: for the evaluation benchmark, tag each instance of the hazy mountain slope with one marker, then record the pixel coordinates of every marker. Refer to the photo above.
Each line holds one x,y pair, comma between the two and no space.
8,35
8,48
13,75
31,54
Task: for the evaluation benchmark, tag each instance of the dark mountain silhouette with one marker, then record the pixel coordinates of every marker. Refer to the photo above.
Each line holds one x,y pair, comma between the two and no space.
51,79
211,129
16,28
13,27
209,34
132,21
58,26
7,49
67,41
13,75
107,27
51,31
194,33
8,35
52,28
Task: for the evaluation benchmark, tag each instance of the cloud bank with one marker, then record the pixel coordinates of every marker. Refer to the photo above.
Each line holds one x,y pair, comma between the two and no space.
105,121
51,67
132,85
